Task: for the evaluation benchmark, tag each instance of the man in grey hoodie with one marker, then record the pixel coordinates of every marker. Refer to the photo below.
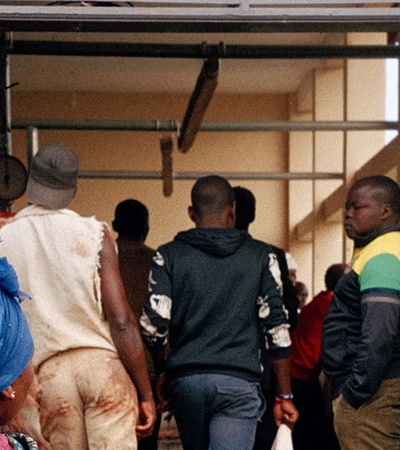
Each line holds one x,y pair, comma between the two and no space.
212,291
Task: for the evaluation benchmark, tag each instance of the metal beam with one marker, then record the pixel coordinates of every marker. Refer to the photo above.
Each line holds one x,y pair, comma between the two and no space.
203,50
240,4
239,18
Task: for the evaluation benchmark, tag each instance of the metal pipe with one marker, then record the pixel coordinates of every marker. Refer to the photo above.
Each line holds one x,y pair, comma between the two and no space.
281,176
202,51
5,111
299,126
173,125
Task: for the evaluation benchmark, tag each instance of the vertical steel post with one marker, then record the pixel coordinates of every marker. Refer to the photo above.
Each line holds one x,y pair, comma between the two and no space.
5,122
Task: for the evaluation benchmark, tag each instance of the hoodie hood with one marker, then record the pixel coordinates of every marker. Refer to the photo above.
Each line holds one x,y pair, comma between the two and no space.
215,241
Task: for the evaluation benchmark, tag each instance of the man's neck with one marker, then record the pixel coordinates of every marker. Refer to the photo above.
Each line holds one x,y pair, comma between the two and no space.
362,241
213,221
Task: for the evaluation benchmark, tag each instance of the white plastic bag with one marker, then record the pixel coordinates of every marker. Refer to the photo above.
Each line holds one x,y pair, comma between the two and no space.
283,439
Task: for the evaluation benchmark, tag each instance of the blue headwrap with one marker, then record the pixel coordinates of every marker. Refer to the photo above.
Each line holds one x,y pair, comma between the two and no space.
16,343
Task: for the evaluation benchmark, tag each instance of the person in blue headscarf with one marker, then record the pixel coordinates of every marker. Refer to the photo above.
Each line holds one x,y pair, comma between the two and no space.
16,350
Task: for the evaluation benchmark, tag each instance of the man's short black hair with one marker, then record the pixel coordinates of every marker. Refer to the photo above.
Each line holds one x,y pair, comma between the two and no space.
131,219
389,190
212,194
333,275
245,207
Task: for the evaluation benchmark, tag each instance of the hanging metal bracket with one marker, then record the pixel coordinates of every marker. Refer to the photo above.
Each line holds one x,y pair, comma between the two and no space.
201,96
167,146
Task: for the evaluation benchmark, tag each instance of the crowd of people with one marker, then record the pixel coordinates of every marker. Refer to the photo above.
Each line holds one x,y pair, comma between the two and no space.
92,378
213,327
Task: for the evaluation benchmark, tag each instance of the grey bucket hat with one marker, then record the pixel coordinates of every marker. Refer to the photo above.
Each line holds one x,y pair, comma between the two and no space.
53,176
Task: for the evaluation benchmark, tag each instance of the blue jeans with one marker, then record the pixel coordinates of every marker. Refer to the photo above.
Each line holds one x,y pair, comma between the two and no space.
216,412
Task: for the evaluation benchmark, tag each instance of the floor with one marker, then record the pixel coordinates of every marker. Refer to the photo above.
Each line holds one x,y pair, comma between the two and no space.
170,445
169,436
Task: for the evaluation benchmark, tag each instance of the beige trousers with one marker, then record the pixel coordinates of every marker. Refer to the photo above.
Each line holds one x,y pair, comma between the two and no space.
87,401
373,426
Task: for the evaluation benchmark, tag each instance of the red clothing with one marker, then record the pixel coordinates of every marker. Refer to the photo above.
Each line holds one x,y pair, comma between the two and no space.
306,338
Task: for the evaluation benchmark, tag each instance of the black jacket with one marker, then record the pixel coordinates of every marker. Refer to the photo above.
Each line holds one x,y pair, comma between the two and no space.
361,337
212,292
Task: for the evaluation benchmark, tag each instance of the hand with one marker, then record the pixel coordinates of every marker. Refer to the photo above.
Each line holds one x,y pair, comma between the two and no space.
146,420
285,412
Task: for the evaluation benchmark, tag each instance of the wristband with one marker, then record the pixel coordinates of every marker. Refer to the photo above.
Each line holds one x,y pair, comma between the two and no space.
280,398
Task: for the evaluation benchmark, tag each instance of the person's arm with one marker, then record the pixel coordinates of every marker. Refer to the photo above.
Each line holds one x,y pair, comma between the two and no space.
275,328
379,282
125,334
154,321
284,409
379,339
289,297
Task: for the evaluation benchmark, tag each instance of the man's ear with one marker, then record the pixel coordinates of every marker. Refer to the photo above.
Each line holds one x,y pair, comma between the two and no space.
192,214
231,216
387,211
